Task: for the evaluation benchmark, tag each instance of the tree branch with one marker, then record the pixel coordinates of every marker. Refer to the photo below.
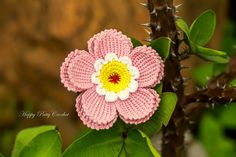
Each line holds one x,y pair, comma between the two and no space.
162,23
216,92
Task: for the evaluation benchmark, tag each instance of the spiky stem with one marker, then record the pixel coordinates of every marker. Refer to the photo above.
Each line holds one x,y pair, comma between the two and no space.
162,23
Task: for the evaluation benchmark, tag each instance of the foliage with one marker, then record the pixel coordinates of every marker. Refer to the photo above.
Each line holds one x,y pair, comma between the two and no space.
162,46
45,141
200,33
39,141
135,42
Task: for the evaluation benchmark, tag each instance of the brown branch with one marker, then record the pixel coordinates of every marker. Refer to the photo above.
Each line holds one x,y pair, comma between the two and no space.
162,23
216,92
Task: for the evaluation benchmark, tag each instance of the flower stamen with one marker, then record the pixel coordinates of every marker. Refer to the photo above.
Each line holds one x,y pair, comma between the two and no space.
114,78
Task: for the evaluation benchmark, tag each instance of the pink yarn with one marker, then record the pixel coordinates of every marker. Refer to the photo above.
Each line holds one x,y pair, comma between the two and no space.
92,108
150,66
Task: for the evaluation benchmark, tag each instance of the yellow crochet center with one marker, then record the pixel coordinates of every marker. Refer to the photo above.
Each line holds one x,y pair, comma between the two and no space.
119,71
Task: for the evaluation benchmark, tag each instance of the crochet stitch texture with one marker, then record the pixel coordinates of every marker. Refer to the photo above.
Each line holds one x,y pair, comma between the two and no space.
113,80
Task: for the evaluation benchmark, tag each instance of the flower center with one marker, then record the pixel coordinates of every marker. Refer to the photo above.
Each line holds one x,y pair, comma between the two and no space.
114,78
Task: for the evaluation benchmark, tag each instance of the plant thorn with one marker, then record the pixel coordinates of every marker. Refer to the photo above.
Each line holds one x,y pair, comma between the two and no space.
179,5
146,24
144,4
148,32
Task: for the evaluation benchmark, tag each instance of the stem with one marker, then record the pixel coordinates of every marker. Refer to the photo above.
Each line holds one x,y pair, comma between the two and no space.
162,23
216,92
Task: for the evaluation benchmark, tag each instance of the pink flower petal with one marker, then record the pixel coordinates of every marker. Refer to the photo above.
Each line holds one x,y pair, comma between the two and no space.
64,71
139,107
149,64
109,41
81,69
94,111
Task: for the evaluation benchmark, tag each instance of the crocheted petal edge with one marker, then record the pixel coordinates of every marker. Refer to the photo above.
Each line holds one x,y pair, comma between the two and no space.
94,111
80,71
109,41
149,64
64,71
139,107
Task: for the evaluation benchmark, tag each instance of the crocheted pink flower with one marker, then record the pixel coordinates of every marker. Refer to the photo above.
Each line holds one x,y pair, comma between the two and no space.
114,80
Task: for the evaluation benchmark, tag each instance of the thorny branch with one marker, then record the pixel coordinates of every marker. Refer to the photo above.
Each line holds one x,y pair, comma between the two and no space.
217,91
162,23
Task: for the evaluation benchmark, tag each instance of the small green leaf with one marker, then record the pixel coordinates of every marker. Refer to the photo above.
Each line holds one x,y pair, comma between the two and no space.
106,143
210,54
135,146
216,59
153,150
207,51
167,106
135,42
40,141
162,46
162,115
158,88
183,26
203,28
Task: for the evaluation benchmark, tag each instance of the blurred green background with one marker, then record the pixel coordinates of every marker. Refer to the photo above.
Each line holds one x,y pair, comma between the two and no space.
37,35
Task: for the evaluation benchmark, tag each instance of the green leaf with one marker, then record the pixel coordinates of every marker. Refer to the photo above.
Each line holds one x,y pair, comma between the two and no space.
105,143
216,59
135,42
135,146
153,150
210,54
1,155
44,145
183,26
162,115
158,88
162,46
33,138
167,106
203,28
